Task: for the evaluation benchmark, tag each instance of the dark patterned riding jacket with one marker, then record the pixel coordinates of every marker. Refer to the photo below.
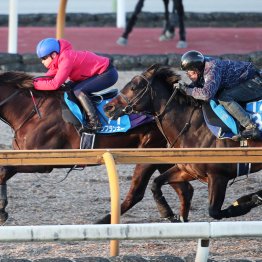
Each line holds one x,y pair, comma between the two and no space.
220,74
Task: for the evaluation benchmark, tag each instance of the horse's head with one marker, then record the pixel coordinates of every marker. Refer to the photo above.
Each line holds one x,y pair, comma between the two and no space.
137,94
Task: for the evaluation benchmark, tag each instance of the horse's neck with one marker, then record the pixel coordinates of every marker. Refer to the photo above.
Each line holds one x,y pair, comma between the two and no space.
22,108
184,125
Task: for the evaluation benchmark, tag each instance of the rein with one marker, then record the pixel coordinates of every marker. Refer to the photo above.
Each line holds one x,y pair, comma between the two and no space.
10,97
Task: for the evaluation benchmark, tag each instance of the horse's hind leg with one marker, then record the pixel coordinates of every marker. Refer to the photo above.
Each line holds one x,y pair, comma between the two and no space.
131,23
216,194
180,15
183,189
3,203
244,204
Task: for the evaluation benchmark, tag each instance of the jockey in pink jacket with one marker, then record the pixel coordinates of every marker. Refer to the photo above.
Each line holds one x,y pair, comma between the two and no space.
89,72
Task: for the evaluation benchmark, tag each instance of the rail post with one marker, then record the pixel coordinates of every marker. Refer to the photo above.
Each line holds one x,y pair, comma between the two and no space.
12,26
202,250
115,198
60,20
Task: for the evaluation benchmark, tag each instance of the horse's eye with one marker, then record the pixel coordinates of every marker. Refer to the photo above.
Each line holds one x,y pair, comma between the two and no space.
133,87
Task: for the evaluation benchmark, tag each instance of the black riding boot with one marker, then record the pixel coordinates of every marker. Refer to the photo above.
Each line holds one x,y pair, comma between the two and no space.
94,123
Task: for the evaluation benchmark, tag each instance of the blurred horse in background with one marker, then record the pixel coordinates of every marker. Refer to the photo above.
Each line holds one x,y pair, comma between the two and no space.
168,33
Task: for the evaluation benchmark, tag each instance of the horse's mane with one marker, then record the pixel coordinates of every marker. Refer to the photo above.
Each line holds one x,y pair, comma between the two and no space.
24,81
169,75
17,79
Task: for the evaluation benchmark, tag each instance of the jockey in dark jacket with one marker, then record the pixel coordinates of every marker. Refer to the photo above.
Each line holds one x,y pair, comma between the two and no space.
228,81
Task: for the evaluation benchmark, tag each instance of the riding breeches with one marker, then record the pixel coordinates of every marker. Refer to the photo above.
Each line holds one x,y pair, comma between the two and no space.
244,92
97,82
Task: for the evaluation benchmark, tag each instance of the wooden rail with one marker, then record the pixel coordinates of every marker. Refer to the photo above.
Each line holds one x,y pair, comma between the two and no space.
130,156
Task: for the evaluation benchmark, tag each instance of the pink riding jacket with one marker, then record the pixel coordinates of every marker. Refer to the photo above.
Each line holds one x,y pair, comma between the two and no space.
71,65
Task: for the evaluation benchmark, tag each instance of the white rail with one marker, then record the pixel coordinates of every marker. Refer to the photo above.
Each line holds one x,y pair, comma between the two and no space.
199,230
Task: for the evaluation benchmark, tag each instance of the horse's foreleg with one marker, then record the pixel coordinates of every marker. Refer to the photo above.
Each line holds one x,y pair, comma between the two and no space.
183,189
185,193
168,29
244,204
136,192
5,174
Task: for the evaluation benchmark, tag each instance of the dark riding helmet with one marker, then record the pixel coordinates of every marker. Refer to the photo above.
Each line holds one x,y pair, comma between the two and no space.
47,46
192,60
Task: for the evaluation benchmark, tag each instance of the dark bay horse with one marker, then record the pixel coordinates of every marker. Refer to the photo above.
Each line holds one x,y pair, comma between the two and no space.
52,132
181,120
176,16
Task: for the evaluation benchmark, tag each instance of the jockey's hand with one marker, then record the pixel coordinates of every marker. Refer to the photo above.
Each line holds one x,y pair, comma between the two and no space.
66,86
181,86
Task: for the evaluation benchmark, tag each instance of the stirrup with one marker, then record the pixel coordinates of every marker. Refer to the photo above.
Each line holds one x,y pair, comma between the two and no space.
251,133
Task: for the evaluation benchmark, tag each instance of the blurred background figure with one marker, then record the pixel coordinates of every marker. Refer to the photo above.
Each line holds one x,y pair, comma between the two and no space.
176,16
171,20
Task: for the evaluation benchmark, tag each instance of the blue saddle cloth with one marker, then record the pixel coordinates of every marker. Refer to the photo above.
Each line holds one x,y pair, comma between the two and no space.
109,126
222,124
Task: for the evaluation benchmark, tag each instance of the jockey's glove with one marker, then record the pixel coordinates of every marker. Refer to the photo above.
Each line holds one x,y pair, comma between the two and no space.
182,86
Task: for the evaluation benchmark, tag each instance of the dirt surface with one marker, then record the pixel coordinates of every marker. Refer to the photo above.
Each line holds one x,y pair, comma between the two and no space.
84,197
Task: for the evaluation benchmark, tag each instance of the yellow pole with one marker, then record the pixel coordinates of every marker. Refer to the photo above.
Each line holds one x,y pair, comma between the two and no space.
115,198
60,20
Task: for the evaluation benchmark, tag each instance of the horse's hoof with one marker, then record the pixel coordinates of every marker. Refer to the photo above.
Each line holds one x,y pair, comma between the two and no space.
3,217
257,200
104,220
122,41
181,44
166,36
176,219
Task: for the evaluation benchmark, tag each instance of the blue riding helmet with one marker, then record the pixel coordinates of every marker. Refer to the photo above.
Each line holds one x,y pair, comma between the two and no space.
47,46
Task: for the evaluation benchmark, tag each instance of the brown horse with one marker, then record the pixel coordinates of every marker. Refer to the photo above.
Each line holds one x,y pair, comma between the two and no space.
181,119
52,132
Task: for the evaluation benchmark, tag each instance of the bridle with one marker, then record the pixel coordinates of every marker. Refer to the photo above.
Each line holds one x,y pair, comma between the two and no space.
129,108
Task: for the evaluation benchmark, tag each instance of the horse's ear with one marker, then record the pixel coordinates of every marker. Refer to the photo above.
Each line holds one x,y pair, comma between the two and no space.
151,71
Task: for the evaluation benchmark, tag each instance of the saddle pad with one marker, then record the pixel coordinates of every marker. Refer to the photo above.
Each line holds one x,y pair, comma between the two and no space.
74,108
255,108
227,119
215,124
122,124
